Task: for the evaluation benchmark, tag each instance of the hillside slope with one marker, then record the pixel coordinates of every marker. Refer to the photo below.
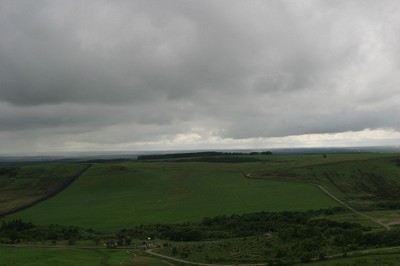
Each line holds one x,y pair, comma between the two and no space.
127,194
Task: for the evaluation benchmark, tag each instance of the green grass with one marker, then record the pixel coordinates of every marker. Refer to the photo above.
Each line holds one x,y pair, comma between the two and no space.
227,251
361,180
352,217
111,196
257,249
116,195
391,217
49,256
36,256
371,260
21,185
126,257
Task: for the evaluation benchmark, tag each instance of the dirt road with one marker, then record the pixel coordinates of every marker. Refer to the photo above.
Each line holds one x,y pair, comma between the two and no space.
150,251
387,227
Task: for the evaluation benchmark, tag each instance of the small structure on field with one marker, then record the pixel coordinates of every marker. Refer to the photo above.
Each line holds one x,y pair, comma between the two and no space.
111,244
146,245
268,235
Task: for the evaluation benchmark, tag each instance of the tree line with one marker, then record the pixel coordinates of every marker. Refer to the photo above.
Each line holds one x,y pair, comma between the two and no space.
197,155
290,236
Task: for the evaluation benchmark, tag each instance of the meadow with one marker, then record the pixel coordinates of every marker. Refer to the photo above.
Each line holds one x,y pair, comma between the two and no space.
368,183
34,256
180,192
21,186
365,260
112,196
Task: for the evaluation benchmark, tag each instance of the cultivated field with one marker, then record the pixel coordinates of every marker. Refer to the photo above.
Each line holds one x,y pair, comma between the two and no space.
177,193
20,186
30,256
369,183
111,196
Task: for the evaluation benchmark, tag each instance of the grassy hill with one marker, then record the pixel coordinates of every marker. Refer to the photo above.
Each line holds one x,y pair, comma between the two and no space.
22,186
110,196
64,256
121,194
369,183
365,183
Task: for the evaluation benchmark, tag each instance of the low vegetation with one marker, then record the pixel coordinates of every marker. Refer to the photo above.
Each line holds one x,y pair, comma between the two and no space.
283,237
24,186
368,184
34,256
258,208
113,196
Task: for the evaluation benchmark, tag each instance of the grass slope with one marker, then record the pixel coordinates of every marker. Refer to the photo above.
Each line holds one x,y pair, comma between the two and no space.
367,182
22,185
110,196
371,260
49,256
36,256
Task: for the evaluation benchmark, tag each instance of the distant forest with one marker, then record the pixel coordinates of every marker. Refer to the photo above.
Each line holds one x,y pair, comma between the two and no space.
206,154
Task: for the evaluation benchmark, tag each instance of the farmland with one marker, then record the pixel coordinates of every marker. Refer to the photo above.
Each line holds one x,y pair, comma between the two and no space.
111,196
225,203
48,256
22,186
66,256
370,184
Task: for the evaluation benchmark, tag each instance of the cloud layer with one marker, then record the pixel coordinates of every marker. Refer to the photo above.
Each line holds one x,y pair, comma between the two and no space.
156,74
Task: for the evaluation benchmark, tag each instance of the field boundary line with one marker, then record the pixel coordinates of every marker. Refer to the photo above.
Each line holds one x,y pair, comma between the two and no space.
321,187
66,184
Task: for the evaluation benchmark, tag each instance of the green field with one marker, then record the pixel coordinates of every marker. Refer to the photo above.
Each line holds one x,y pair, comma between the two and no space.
368,260
366,182
111,196
352,217
125,194
252,250
49,256
30,256
22,185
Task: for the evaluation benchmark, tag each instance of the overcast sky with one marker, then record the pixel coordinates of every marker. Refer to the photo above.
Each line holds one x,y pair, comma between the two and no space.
162,75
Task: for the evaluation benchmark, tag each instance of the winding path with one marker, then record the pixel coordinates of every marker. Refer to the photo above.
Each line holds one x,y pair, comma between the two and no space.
387,227
150,252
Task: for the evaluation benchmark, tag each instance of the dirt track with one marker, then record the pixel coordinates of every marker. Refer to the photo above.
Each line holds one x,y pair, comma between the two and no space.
387,227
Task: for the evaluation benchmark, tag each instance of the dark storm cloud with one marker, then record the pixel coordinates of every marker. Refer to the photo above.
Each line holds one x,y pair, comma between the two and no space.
125,52
151,70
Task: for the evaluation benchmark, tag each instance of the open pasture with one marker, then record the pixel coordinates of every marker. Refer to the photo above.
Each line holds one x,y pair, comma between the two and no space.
23,185
365,181
366,260
368,182
110,196
115,195
63,256
49,256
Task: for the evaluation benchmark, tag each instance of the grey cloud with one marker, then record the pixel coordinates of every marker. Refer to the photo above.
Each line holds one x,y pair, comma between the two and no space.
148,70
144,54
